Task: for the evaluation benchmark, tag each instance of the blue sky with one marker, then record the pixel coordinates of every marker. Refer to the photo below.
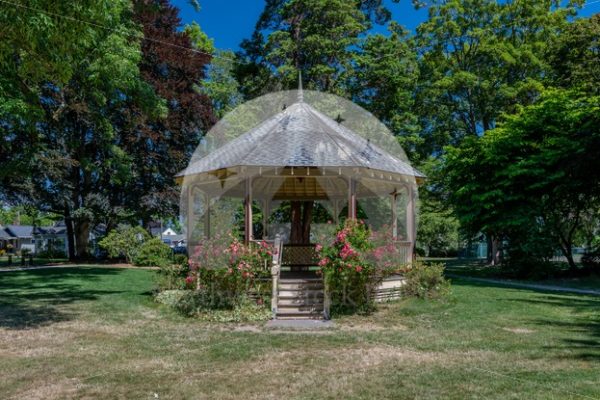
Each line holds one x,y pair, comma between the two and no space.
230,21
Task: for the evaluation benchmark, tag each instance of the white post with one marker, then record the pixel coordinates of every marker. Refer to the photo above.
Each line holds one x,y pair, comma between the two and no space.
190,215
275,268
351,198
207,217
266,214
336,212
410,221
248,211
394,202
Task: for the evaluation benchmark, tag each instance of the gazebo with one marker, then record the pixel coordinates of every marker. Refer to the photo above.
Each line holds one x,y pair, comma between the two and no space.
310,166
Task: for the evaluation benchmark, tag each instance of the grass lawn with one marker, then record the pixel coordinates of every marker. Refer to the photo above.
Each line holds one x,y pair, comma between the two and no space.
17,260
478,269
95,333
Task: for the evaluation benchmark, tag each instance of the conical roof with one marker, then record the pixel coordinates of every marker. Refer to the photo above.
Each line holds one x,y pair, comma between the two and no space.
300,136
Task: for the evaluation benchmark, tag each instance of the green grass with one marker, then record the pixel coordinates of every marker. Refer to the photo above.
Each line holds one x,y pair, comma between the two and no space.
478,269
16,261
96,333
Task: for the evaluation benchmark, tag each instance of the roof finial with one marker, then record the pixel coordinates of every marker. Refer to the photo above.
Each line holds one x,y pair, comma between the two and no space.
300,93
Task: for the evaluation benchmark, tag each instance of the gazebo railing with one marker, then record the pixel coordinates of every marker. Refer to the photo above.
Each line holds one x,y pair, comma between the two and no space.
275,272
405,250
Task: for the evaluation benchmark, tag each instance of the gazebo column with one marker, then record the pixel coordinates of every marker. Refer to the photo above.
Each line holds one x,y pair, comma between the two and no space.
351,198
336,212
248,211
190,214
394,203
266,212
207,216
410,220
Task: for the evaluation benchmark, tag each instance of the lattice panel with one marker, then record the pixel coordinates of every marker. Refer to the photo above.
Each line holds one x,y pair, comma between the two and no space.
299,255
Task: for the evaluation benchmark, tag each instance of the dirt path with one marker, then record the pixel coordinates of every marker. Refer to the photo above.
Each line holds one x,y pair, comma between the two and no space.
534,286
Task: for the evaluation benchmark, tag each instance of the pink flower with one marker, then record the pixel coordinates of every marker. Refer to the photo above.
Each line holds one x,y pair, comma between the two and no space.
341,236
318,248
189,279
323,262
347,252
358,268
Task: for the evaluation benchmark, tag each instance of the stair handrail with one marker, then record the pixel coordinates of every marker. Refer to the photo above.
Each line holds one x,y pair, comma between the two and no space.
275,273
326,300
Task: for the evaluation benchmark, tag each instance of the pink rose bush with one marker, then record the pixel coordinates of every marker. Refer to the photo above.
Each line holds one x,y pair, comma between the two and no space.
230,270
355,263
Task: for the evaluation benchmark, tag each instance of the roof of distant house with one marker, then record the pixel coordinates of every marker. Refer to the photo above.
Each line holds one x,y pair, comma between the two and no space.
19,231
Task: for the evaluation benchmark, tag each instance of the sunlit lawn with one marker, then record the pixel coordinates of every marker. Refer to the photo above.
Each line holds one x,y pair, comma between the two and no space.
95,333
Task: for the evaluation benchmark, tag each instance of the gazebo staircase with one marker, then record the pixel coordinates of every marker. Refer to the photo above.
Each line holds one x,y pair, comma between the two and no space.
300,298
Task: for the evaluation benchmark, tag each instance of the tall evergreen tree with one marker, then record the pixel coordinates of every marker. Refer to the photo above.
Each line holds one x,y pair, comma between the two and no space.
316,37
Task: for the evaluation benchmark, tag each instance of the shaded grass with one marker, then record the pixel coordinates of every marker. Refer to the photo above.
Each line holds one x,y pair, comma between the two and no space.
479,269
101,335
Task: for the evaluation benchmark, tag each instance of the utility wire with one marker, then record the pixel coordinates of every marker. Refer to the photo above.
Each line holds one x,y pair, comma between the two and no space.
97,25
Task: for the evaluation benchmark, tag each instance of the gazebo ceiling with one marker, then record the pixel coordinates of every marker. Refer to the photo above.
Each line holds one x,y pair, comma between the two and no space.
300,137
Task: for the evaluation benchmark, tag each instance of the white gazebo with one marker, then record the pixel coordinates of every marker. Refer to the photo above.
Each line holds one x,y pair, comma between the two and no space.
308,163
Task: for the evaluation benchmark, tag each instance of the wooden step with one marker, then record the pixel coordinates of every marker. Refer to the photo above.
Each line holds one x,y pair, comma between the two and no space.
300,286
300,302
299,315
299,307
300,293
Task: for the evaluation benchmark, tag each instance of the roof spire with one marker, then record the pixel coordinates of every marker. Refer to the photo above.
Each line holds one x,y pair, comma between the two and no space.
300,92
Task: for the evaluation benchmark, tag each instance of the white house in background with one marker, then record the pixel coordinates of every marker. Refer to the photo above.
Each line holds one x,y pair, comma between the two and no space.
169,236
169,232
13,237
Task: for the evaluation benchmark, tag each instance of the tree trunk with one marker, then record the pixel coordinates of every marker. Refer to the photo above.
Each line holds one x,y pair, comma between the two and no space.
306,219
566,247
296,222
301,216
495,251
70,234
82,236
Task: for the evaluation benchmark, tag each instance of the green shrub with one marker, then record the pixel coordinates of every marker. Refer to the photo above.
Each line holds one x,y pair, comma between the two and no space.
153,253
171,298
51,253
591,262
426,281
172,276
125,241
199,304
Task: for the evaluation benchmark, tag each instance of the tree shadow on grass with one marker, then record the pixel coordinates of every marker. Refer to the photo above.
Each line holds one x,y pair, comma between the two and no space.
31,299
578,335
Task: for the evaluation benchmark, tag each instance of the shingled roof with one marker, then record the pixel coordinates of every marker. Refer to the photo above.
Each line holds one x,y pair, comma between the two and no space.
300,136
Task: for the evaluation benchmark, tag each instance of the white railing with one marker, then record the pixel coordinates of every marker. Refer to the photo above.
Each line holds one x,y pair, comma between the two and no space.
275,273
